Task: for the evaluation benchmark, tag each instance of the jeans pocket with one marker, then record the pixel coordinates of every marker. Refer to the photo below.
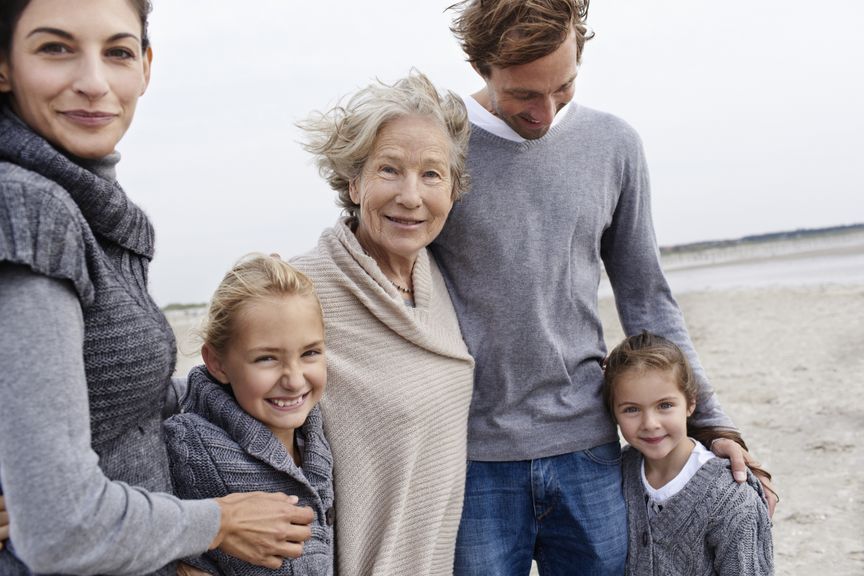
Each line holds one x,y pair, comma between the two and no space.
607,454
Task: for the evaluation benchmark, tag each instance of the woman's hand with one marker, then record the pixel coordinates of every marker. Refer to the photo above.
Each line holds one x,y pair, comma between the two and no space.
4,523
263,528
741,460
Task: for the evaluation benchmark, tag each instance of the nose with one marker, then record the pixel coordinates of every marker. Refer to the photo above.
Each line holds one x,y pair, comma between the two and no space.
546,110
92,80
649,420
292,377
409,194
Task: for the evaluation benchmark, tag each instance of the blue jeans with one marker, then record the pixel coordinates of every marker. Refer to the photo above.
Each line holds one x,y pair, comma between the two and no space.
567,512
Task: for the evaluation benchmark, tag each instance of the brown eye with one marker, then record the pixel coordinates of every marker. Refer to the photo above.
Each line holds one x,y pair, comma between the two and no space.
120,53
54,48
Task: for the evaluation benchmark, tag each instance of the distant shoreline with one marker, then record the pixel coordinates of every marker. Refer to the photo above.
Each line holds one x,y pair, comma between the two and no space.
832,242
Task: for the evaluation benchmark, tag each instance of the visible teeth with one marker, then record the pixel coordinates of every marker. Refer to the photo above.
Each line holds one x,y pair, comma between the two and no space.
283,403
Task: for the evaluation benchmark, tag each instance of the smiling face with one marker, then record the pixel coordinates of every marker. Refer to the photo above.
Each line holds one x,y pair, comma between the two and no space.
274,361
652,413
75,71
405,191
528,96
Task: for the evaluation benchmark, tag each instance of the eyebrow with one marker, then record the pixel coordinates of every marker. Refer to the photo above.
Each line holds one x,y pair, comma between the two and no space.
68,36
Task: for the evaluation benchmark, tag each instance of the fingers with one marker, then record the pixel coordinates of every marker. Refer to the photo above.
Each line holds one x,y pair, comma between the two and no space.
737,456
297,535
184,569
4,527
302,515
263,528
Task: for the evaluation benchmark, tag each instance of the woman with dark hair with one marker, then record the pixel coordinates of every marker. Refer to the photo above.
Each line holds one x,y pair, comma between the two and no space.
86,354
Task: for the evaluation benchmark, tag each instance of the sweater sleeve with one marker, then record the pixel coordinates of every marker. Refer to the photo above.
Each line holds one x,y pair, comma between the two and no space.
642,294
65,515
740,533
39,229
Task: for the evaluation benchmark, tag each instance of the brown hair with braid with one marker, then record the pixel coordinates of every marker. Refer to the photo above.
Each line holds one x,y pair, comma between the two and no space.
649,351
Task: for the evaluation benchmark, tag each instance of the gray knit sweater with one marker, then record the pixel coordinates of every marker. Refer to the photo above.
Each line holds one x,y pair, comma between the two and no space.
86,357
713,526
522,254
216,449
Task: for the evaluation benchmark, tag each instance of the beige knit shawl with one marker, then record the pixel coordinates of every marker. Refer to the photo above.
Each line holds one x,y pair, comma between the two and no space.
395,409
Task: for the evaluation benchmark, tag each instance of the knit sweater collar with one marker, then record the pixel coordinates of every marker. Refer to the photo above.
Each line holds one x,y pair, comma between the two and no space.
349,267
91,184
572,112
214,403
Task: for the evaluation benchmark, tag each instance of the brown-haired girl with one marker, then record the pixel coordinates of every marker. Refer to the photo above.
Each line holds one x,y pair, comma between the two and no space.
686,514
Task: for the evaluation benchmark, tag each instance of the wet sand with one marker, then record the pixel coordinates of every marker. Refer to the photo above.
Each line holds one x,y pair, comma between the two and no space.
786,358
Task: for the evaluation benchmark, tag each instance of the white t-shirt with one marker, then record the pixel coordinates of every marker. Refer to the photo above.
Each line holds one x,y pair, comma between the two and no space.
657,496
479,116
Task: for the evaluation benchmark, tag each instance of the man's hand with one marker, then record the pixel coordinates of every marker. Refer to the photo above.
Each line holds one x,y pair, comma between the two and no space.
741,460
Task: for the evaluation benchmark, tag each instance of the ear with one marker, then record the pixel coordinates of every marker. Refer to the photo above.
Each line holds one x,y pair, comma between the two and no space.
148,61
5,75
353,193
691,408
214,364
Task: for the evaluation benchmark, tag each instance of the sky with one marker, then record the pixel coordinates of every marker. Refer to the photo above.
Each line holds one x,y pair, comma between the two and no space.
750,114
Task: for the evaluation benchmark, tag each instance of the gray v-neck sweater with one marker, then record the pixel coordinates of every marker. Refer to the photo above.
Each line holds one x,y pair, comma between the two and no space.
522,254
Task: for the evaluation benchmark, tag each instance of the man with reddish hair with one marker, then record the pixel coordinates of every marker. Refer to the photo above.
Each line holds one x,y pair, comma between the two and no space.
558,190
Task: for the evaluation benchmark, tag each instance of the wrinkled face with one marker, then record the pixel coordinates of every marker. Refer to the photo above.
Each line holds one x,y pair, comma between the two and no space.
652,412
405,189
528,96
274,361
75,72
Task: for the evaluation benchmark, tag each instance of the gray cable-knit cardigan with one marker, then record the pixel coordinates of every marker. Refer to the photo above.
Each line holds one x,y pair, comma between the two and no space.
216,449
712,526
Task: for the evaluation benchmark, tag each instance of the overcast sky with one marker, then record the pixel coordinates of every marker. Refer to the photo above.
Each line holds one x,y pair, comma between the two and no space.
751,119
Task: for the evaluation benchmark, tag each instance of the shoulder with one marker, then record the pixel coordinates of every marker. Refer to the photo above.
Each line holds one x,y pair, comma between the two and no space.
605,125
42,228
724,492
191,442
33,189
317,261
185,432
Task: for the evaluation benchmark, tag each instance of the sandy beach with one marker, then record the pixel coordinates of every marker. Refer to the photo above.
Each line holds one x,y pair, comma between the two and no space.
785,354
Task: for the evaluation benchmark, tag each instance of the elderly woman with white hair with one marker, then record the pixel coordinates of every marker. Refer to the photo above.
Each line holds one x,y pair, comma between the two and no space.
399,374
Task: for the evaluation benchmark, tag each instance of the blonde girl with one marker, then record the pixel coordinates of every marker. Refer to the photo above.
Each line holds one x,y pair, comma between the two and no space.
250,420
